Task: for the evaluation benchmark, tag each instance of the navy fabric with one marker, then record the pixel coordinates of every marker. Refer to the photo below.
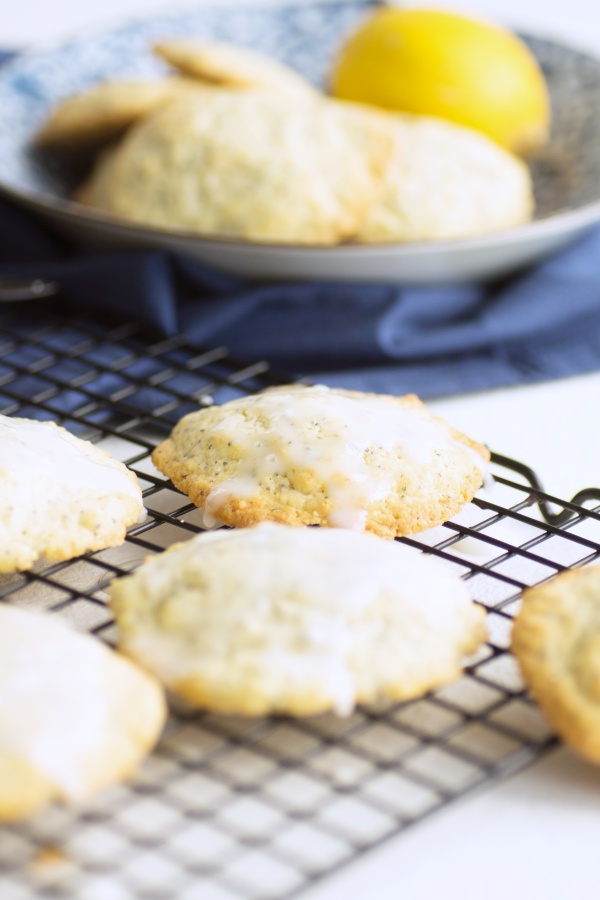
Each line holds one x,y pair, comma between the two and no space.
542,324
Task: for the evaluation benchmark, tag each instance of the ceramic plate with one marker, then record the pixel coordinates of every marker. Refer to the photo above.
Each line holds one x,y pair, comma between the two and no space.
566,177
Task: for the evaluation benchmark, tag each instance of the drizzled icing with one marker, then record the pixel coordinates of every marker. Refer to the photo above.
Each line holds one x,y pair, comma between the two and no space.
33,450
54,710
330,434
283,613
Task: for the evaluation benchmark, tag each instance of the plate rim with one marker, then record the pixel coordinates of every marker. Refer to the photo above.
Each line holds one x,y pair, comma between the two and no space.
561,222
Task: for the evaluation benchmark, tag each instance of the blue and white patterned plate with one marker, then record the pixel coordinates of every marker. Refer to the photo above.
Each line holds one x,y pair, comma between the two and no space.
304,35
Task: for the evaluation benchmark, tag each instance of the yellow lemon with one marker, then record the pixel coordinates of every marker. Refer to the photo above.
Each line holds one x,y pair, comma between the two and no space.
437,63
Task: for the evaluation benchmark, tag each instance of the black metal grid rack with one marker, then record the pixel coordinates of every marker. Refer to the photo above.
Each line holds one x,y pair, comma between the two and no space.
227,808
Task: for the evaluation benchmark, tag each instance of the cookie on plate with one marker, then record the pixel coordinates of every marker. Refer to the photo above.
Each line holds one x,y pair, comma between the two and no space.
247,164
232,66
274,619
446,182
556,639
105,111
74,716
59,496
324,456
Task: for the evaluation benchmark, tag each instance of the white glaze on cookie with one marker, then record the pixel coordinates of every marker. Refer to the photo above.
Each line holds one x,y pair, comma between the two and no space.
273,618
327,433
59,495
34,653
30,448
63,701
324,456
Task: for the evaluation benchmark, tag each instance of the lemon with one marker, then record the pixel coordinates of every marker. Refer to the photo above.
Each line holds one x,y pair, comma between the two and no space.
437,63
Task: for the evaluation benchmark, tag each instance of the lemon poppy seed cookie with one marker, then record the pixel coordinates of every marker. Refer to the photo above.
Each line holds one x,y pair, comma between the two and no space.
232,66
247,164
59,496
274,619
556,639
105,111
446,182
324,456
74,716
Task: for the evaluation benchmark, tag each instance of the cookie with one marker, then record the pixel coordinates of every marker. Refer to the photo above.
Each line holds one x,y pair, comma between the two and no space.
324,456
59,496
233,66
247,164
74,716
105,111
556,639
274,619
446,182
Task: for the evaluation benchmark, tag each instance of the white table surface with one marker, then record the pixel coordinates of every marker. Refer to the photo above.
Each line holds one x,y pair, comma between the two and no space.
535,835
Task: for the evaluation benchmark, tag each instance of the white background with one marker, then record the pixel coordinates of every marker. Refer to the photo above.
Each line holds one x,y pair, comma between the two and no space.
538,834
26,22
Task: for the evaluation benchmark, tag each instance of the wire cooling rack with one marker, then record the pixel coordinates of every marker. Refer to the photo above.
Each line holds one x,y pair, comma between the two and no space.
227,808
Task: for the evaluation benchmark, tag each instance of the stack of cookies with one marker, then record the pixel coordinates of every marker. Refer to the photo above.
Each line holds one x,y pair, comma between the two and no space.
237,145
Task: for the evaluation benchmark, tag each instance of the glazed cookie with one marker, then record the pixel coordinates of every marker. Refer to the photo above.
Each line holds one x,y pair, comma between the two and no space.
233,66
247,164
74,716
59,496
324,456
105,111
447,182
274,619
556,639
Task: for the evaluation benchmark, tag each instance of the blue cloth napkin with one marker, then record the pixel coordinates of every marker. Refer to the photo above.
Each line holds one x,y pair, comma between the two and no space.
539,325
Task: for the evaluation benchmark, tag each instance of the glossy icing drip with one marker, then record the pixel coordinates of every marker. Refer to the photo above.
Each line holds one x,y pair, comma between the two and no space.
332,435
53,707
33,450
